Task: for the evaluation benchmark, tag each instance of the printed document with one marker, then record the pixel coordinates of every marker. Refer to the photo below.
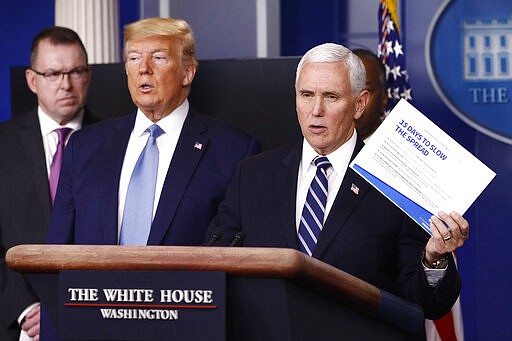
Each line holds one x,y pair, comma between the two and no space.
419,167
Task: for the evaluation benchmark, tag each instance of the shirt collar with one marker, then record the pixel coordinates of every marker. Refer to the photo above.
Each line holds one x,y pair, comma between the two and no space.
48,125
170,124
339,159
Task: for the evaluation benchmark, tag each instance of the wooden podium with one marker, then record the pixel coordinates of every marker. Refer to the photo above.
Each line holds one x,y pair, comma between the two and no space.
272,293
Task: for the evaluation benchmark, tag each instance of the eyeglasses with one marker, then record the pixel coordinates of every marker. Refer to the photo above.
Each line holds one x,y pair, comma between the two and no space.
78,74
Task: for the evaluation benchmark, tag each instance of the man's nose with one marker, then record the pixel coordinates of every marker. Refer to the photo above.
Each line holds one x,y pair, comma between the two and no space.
318,106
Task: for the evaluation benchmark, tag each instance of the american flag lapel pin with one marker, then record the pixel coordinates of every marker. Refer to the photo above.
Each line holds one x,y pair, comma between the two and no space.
354,189
198,145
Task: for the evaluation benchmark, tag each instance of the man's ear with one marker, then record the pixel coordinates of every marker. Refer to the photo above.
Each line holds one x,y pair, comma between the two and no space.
361,102
89,74
30,76
188,75
384,102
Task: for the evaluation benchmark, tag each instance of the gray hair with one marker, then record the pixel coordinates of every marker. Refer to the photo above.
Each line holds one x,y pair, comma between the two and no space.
330,53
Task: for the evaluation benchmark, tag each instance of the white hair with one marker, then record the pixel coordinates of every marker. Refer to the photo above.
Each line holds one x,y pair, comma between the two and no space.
330,53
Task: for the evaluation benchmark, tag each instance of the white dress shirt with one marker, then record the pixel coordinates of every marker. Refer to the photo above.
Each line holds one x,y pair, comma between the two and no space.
49,135
340,160
171,125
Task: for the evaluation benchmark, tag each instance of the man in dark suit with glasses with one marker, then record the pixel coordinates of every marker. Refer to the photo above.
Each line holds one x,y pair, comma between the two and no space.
30,150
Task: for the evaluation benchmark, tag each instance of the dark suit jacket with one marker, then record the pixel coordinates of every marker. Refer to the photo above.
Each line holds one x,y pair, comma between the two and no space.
86,206
365,234
24,209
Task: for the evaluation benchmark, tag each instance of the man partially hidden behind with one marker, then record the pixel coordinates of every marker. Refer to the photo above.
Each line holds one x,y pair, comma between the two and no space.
373,114
30,150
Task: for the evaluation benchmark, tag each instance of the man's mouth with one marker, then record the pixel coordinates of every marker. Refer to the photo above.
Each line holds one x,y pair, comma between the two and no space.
145,87
67,99
317,128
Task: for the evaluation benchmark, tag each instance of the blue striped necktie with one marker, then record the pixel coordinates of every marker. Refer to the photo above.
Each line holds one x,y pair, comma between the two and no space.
138,208
311,221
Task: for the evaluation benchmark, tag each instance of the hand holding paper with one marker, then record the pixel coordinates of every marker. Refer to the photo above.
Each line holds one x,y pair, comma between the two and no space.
448,234
419,167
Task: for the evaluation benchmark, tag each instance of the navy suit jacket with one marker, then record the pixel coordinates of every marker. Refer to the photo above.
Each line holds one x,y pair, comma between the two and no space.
365,234
86,205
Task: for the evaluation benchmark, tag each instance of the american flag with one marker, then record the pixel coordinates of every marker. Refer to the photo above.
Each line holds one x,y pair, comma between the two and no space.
390,51
354,189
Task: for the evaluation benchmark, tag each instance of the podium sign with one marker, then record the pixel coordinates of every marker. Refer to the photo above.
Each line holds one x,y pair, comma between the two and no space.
110,292
142,305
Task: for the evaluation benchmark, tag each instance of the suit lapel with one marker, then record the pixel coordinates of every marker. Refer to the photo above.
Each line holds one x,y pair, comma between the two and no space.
345,202
112,158
88,118
183,164
31,140
286,189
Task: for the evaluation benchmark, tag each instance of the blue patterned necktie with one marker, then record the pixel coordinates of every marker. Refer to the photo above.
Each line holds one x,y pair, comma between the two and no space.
138,209
312,218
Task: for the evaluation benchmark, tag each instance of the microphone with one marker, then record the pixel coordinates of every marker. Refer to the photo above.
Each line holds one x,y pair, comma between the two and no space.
215,236
237,240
